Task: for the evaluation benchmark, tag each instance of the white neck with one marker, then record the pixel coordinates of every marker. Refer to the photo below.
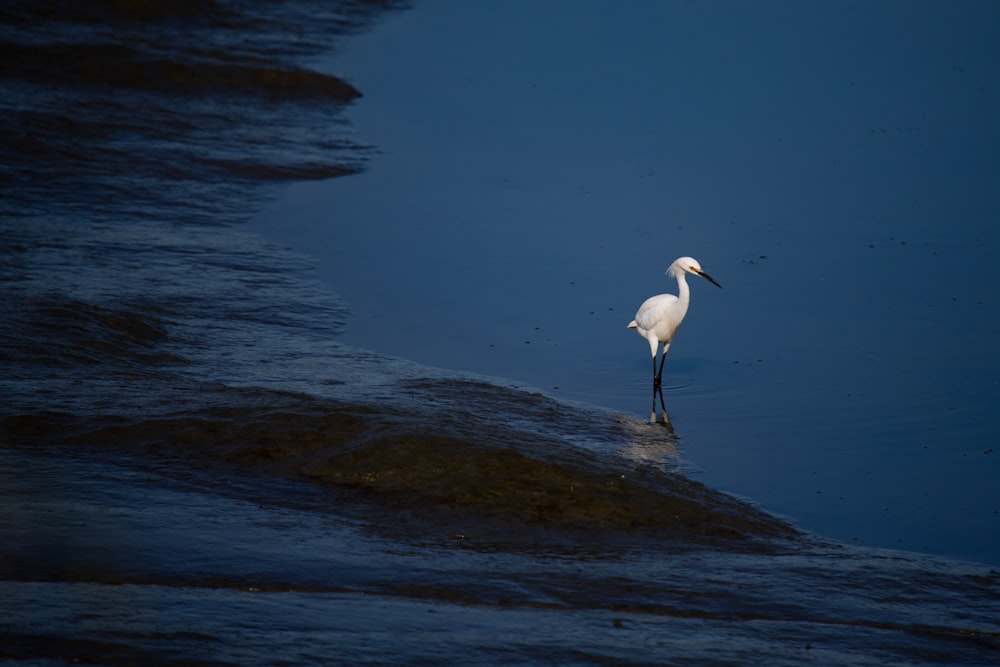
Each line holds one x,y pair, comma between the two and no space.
683,291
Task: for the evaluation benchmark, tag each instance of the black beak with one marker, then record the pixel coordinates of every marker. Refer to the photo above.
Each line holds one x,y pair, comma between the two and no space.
709,279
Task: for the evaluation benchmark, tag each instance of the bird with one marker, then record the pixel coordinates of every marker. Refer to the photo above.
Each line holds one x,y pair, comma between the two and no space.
659,317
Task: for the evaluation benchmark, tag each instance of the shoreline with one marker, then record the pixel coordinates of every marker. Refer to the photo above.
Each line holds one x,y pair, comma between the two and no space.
195,467
516,215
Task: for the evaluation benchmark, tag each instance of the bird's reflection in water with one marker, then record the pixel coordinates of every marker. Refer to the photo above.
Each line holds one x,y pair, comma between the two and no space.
665,420
653,444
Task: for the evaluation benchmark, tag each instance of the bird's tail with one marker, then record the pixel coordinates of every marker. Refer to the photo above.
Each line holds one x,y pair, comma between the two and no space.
633,325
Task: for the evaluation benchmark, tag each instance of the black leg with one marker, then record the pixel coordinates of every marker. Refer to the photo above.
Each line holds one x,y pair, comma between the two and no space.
659,373
656,389
666,417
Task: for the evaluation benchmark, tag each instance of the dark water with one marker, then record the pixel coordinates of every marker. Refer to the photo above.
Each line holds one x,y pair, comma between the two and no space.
844,195
196,468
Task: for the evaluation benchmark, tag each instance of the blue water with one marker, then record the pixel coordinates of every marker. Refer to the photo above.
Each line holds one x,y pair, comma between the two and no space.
834,167
396,416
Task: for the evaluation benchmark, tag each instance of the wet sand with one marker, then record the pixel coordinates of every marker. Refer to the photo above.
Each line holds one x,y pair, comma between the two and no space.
118,565
197,466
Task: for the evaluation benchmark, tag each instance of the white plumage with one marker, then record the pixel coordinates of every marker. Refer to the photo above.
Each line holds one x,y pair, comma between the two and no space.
659,317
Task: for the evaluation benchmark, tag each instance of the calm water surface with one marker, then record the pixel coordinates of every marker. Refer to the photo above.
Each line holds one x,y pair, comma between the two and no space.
834,168
396,417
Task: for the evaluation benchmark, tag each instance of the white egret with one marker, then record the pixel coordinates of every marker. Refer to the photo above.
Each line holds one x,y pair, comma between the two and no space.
660,316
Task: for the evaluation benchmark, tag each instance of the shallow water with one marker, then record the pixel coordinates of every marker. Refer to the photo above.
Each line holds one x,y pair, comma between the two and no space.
530,198
208,455
232,575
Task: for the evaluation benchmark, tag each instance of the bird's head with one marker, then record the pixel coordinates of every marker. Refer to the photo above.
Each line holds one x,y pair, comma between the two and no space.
684,265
